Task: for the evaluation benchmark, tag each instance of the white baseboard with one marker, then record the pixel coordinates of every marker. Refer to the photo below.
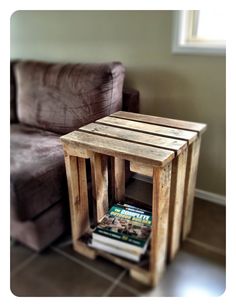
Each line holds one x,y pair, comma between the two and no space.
209,196
212,197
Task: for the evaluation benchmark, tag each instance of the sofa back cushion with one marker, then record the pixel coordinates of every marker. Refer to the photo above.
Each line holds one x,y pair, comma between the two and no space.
13,115
63,97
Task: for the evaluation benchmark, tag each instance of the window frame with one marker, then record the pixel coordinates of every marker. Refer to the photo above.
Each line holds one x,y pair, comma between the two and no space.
181,44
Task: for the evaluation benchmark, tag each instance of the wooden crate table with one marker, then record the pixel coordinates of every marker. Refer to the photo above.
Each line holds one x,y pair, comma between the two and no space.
165,149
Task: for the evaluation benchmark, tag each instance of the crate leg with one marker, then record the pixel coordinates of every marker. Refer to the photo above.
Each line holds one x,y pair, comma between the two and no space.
99,171
77,186
190,182
160,212
176,204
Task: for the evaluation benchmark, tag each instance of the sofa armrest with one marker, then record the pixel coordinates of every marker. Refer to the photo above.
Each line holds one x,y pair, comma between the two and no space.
130,100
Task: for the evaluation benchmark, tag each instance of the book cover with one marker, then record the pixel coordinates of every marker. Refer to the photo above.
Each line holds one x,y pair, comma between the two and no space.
125,226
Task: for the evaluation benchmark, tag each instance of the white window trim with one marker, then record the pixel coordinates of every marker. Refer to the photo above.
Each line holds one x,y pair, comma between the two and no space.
181,46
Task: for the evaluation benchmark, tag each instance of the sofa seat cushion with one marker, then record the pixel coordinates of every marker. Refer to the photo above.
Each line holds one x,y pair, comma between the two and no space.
45,228
63,97
37,176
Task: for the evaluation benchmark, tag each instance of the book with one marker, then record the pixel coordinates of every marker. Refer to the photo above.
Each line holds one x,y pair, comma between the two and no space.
115,250
125,230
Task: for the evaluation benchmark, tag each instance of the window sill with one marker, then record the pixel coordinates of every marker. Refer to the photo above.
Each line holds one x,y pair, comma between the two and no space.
198,49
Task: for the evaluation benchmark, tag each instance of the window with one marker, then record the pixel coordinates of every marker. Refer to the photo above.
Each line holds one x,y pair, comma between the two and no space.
199,32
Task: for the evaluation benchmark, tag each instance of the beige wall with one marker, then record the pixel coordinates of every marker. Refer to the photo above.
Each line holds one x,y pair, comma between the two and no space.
189,87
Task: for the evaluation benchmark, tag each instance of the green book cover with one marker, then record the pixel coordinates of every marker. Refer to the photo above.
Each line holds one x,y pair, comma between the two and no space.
126,224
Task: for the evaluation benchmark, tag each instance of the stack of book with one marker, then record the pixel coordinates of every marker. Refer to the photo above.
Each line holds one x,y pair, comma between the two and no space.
124,231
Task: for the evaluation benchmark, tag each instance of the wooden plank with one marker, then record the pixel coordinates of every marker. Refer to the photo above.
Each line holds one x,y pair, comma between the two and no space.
119,179
136,137
141,168
176,204
180,134
83,220
168,122
99,171
190,183
77,188
111,180
74,150
160,211
119,149
73,189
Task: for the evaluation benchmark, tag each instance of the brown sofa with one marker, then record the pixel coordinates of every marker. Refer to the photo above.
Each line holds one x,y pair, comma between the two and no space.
47,101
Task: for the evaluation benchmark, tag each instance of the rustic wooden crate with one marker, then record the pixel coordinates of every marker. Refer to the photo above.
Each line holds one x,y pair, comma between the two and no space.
165,149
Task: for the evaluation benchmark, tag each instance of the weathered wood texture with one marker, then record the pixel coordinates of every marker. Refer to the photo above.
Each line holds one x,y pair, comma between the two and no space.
168,122
99,171
140,168
165,149
77,187
176,204
135,136
119,148
160,211
73,149
119,179
180,134
190,183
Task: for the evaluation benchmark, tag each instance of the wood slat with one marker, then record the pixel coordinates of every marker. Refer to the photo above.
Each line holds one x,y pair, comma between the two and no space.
73,189
76,151
176,204
169,122
160,212
180,134
83,221
119,178
136,137
77,187
190,183
120,149
99,172
141,168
